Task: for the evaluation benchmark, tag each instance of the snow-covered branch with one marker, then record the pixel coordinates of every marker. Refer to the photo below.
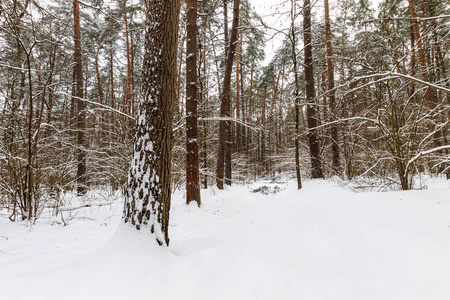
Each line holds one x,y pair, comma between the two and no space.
98,104
230,120
420,154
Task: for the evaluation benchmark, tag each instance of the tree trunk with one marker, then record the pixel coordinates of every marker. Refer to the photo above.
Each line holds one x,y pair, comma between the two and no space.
111,61
238,99
263,130
127,96
335,165
421,50
192,165
147,200
81,105
296,95
225,99
316,162
249,113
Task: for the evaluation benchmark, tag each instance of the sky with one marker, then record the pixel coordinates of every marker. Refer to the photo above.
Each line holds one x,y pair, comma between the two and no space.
267,10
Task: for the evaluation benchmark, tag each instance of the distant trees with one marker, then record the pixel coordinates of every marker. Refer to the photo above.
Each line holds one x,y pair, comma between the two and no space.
366,95
39,114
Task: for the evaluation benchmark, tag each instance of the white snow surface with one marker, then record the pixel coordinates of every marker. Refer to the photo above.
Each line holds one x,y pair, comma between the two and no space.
322,242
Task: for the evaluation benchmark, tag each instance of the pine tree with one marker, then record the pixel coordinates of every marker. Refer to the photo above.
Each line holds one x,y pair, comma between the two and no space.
311,112
225,100
81,105
336,168
148,195
192,164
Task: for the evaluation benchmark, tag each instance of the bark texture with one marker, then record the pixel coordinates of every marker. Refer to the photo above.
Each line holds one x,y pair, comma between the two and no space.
147,199
192,164
316,162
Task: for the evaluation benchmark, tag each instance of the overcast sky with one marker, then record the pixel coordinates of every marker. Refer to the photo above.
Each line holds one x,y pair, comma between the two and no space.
268,10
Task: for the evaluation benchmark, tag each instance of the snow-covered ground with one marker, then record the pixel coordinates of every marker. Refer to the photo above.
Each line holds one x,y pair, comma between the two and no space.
322,242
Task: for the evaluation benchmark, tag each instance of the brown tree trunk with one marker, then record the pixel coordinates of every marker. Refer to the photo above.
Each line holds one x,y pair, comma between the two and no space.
81,105
100,91
263,160
204,95
296,96
413,56
335,165
148,197
421,50
238,99
225,100
316,162
280,131
192,169
225,26
180,64
249,112
229,128
111,61
99,84
272,119
127,96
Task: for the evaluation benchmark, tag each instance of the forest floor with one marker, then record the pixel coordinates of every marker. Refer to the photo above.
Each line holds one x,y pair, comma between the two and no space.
322,242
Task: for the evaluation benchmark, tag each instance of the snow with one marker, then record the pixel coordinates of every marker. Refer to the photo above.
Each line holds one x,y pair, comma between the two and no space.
322,242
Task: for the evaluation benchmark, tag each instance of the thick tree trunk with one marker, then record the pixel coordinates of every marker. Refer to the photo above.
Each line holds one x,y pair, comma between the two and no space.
81,105
225,100
316,162
192,165
147,200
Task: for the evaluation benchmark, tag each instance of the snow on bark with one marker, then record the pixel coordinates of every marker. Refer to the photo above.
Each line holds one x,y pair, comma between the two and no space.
148,194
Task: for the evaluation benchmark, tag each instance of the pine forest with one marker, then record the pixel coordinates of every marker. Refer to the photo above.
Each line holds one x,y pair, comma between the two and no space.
241,135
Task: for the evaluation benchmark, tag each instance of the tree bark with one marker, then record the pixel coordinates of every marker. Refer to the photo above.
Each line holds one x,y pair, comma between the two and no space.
421,50
81,105
225,99
316,162
238,98
192,160
148,196
296,95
